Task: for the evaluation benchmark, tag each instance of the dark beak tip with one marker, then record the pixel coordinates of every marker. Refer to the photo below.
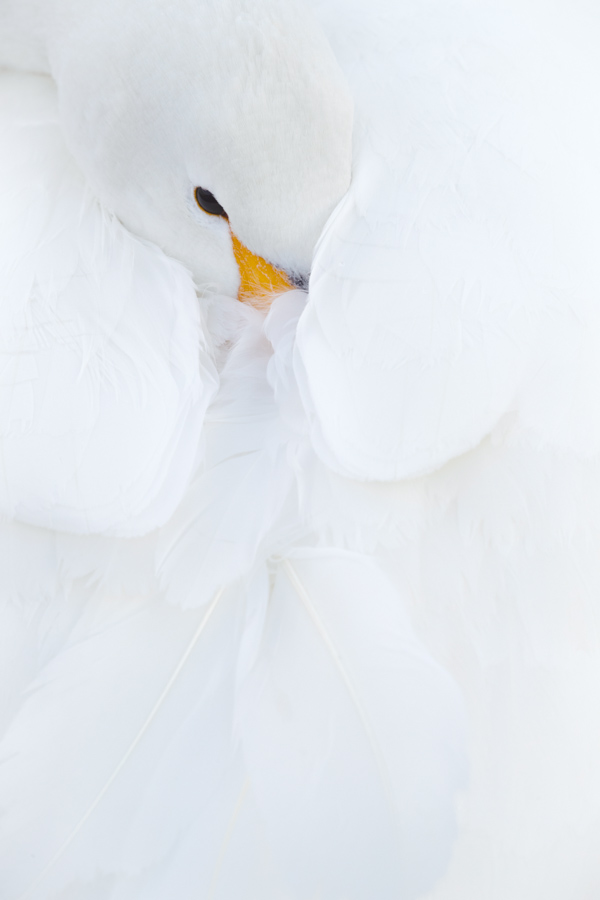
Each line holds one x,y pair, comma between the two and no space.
299,281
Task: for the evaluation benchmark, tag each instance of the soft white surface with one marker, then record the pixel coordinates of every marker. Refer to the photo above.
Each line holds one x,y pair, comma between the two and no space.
346,721
468,234
302,733
105,372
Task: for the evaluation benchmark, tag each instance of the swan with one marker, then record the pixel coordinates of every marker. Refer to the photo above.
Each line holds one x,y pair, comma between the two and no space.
299,452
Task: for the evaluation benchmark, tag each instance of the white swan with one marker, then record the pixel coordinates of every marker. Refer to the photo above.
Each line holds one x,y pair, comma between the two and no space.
216,522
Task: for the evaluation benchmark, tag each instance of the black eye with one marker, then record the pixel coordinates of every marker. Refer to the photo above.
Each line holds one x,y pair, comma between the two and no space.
209,203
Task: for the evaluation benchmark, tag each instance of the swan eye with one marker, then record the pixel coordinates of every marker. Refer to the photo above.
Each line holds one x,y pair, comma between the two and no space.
209,203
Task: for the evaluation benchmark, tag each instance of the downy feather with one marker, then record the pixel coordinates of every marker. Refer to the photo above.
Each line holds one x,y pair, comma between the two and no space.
352,735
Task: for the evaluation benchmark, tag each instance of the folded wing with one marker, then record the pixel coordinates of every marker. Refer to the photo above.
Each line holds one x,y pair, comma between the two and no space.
352,734
431,278
105,373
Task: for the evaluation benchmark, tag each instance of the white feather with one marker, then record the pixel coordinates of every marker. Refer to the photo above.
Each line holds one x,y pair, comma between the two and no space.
104,371
351,733
463,250
88,784
242,481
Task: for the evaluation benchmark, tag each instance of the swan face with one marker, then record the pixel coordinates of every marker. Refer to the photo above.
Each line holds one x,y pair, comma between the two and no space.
242,99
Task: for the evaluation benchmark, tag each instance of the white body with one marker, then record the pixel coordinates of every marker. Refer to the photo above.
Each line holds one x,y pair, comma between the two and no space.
275,589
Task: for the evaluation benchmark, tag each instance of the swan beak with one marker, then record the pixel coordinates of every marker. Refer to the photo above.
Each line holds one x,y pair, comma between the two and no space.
258,278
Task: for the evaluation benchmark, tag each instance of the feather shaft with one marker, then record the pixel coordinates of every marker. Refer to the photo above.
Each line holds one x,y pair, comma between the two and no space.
302,593
130,750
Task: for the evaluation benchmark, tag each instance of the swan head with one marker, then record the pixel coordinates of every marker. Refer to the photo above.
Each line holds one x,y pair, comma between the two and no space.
238,103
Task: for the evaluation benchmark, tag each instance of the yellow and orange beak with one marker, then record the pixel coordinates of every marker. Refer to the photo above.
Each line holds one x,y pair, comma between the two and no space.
259,280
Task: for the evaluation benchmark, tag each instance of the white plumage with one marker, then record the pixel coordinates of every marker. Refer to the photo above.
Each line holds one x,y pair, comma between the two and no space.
302,602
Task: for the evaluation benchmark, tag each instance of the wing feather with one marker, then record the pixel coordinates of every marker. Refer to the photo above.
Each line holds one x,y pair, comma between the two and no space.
352,735
105,373
119,739
451,268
